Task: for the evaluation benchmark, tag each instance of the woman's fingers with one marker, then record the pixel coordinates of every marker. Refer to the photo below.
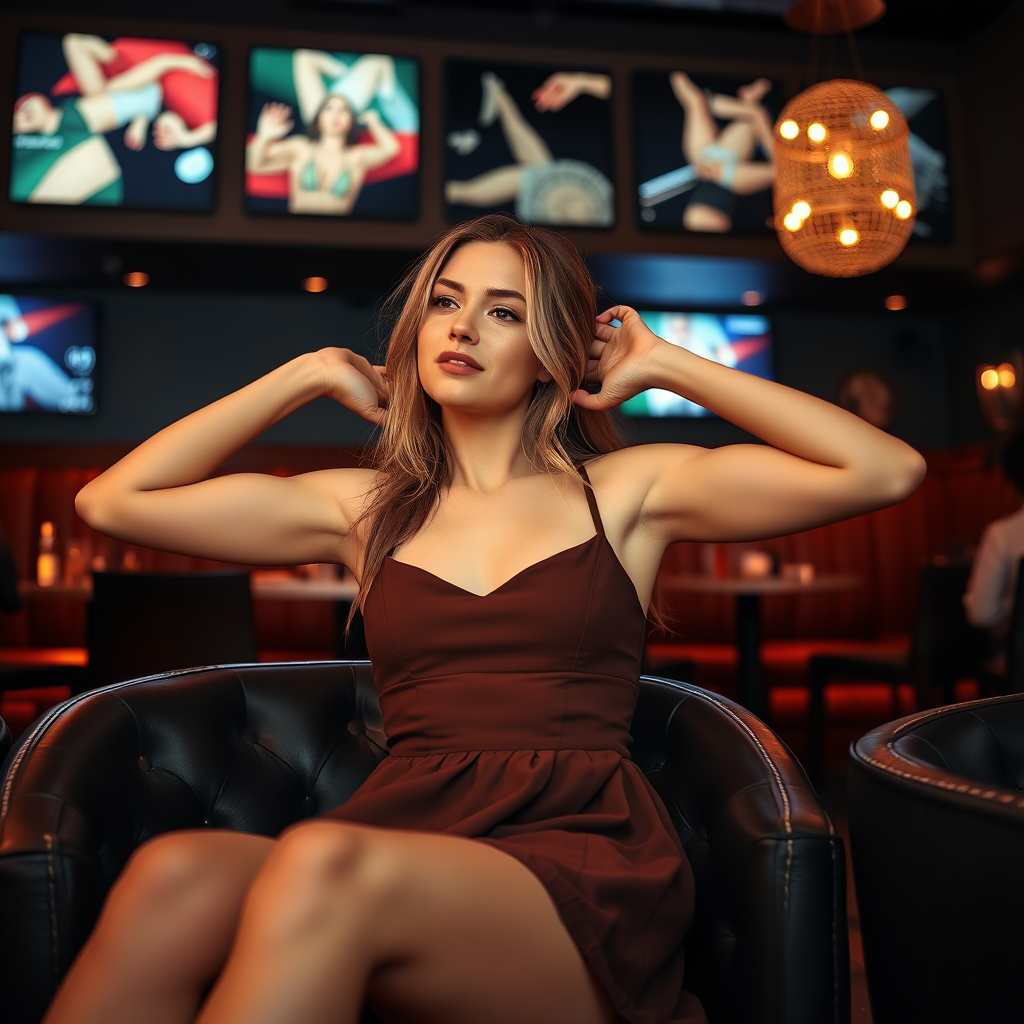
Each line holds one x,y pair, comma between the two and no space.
585,400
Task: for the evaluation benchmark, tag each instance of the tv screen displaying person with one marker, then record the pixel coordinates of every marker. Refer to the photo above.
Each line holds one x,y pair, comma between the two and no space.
739,340
332,133
47,355
705,151
529,139
114,122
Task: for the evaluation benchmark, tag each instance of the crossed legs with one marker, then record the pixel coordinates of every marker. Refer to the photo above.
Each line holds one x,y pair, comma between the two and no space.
303,929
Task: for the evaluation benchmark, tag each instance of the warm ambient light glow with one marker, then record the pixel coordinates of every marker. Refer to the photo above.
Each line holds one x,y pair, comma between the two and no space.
840,168
791,222
1007,375
879,119
315,284
789,129
903,209
895,302
848,237
802,209
136,279
751,298
989,379
840,165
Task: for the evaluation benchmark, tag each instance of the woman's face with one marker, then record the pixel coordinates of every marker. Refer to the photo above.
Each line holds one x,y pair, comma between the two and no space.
31,116
473,352
335,118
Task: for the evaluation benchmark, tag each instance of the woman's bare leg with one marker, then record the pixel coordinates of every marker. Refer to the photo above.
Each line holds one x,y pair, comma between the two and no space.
164,932
428,927
488,189
523,139
699,128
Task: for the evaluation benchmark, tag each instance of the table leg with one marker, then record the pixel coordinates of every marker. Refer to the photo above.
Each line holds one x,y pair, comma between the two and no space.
752,693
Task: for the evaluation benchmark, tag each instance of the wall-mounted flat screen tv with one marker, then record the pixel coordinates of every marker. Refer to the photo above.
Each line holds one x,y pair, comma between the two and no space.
47,355
332,133
530,139
740,340
115,121
925,111
704,151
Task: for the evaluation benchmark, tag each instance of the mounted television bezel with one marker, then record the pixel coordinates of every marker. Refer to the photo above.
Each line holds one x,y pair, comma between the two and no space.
93,308
720,312
215,146
284,216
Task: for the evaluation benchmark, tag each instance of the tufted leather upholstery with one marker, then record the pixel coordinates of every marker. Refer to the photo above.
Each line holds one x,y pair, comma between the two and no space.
256,747
937,835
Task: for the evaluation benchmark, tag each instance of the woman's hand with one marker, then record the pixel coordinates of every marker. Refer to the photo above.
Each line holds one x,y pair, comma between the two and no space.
561,88
355,383
620,359
275,121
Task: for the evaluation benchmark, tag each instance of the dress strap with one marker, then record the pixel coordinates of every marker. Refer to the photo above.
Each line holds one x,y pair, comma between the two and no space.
592,501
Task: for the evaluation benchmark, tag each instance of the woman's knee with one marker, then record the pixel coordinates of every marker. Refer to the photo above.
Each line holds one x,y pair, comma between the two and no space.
168,867
318,862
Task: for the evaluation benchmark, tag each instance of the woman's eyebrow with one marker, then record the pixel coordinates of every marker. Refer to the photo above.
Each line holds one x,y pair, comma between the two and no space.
496,293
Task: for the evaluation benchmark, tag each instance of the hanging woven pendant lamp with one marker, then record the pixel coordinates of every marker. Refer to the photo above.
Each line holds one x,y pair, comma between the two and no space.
844,185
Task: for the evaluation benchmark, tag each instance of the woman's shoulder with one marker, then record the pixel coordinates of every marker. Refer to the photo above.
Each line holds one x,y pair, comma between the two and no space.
638,465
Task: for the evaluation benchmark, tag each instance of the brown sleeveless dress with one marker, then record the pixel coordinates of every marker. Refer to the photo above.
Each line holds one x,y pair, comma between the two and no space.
508,720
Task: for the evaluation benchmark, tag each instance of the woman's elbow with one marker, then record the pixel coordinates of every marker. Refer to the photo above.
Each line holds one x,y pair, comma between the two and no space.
909,473
92,508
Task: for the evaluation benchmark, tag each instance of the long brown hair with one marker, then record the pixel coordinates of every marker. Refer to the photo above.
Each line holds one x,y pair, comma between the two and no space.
412,455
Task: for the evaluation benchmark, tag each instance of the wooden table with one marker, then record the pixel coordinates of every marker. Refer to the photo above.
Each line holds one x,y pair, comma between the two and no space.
748,594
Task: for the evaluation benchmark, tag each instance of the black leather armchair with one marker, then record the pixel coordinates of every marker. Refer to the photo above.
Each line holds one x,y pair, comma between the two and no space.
937,837
257,747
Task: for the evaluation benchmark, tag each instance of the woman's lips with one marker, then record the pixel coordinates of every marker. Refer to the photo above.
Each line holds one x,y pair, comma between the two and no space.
459,364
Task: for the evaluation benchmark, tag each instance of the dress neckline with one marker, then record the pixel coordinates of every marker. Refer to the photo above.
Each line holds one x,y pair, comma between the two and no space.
509,581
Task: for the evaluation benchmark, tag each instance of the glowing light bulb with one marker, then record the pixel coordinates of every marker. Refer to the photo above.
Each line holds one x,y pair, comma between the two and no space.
751,298
848,236
789,129
136,279
989,379
791,222
315,284
816,132
802,209
895,302
878,120
890,197
1006,374
903,209
840,165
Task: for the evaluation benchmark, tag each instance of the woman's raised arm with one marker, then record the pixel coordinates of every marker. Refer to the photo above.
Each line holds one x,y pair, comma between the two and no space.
160,495
821,463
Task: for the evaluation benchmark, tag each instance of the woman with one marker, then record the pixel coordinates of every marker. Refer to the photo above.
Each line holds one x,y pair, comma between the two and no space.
723,160
507,862
545,190
59,152
327,166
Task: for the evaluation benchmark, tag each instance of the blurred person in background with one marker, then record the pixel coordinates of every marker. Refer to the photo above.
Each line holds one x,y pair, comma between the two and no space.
988,600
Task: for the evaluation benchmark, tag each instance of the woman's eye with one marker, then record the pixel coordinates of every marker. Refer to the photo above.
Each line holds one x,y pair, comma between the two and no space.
506,314
444,301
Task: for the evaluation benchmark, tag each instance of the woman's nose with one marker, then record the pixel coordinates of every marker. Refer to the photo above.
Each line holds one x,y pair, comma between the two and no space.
462,329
